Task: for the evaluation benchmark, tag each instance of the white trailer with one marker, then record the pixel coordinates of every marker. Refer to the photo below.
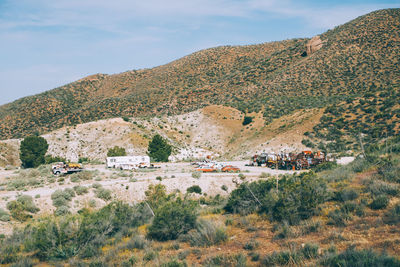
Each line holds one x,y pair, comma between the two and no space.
128,162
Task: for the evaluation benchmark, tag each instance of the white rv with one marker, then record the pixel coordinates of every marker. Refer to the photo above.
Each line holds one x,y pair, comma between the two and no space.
128,162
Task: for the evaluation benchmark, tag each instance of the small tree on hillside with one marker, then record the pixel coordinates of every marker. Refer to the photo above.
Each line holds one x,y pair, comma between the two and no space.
159,149
116,152
32,151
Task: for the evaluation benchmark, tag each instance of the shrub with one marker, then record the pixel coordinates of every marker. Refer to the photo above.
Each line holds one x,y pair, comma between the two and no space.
377,187
62,198
283,230
194,189
27,203
174,263
393,215
17,211
50,159
103,193
224,187
196,175
159,149
379,202
251,245
4,216
329,165
116,151
298,197
18,208
238,260
138,242
150,255
174,218
32,151
346,195
82,235
310,251
287,257
310,226
352,257
338,217
61,211
83,175
264,175
206,234
80,190
247,120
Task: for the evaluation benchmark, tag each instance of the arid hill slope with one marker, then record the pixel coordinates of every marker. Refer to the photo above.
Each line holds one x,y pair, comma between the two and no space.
273,78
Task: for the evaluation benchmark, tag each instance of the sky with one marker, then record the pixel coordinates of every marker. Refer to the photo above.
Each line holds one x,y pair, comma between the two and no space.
45,44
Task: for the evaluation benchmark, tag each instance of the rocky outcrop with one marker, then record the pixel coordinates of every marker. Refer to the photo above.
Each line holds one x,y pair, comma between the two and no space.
314,45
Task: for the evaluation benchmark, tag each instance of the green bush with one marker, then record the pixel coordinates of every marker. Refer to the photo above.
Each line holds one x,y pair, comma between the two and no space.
4,216
18,208
82,235
352,257
50,159
392,216
196,174
159,149
104,194
137,242
346,194
379,202
247,120
62,198
286,257
238,260
194,189
32,151
206,234
338,217
116,151
174,263
172,219
329,165
80,190
377,187
310,251
298,197
61,211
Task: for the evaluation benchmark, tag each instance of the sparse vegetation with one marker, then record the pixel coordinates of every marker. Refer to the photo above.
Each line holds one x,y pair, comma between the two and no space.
116,151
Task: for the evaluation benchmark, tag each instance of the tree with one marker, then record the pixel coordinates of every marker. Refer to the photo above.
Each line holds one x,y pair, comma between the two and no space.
247,120
116,152
32,151
159,149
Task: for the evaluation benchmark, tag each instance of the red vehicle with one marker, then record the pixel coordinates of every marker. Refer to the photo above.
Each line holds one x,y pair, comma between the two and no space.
206,169
230,168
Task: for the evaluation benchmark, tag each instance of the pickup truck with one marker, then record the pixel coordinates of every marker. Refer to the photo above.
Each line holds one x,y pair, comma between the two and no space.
66,168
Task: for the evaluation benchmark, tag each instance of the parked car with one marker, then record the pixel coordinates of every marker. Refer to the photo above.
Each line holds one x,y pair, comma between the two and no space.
230,168
206,169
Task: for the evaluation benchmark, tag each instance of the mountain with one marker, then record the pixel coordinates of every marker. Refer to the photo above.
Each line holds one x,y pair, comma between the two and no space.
278,78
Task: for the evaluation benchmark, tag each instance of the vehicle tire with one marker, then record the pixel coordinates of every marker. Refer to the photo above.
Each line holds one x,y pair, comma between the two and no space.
57,173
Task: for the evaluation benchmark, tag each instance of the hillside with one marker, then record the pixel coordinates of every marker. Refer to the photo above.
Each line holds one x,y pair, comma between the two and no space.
213,130
275,78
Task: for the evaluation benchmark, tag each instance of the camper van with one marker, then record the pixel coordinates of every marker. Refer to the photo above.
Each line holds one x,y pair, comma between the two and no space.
128,162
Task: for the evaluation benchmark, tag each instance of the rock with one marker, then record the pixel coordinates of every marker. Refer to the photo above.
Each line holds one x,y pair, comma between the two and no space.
314,45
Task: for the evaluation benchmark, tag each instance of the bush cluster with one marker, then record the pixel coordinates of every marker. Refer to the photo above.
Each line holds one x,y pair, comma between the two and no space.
297,198
21,208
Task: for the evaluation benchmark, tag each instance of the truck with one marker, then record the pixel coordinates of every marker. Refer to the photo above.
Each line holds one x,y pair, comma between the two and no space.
289,161
128,162
66,168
